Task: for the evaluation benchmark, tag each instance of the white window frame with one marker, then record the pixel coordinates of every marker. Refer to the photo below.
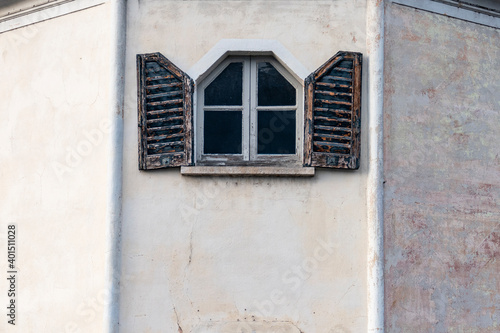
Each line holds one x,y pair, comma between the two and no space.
249,110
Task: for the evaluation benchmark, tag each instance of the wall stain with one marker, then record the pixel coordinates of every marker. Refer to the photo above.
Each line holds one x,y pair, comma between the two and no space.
442,231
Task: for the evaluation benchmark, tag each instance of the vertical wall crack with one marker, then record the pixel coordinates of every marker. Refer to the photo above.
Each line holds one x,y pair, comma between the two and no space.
190,246
179,328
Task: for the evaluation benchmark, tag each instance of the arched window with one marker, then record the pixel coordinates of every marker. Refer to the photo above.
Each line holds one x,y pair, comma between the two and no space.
249,111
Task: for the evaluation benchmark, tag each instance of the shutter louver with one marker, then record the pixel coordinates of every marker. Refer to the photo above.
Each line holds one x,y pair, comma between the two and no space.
333,113
165,113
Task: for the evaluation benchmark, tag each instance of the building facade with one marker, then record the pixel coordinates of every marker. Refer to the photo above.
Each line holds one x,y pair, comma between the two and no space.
136,212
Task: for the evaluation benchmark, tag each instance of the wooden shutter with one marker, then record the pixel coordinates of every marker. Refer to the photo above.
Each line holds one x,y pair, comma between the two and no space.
333,113
165,113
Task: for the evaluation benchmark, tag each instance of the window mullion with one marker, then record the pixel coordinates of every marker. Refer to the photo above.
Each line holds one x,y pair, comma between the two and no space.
253,109
246,109
223,108
200,142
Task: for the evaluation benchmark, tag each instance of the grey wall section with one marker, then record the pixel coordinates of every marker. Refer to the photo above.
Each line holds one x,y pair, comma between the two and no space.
442,169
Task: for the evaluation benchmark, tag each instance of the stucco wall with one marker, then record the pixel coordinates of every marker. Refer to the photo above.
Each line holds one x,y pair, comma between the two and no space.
442,110
53,108
208,254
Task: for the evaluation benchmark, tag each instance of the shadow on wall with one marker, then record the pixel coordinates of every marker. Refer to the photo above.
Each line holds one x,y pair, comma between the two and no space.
18,5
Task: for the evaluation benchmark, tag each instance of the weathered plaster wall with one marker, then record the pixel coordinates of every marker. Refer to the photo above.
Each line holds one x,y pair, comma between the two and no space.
209,254
442,169
53,104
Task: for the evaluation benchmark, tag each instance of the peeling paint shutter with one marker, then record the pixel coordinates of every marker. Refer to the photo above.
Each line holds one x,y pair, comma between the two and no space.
333,113
165,113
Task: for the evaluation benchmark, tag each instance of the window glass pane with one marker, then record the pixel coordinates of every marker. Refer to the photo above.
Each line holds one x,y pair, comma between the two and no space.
276,132
273,88
226,89
222,132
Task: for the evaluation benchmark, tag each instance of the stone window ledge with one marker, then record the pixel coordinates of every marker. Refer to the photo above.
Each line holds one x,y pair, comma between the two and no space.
247,171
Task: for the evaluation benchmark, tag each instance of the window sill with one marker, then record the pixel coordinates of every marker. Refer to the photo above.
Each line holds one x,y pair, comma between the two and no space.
247,171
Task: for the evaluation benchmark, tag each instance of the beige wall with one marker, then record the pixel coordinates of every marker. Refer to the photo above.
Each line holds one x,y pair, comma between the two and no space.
53,101
200,254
